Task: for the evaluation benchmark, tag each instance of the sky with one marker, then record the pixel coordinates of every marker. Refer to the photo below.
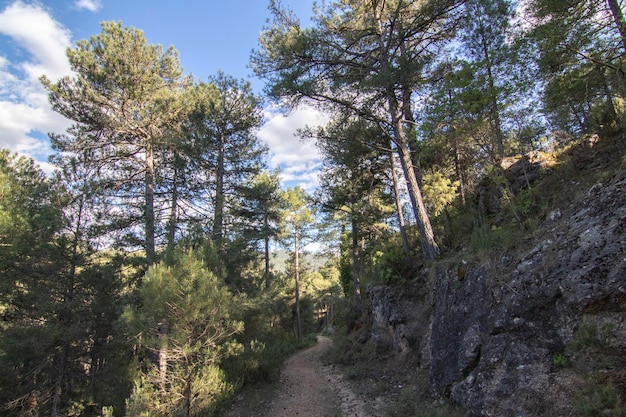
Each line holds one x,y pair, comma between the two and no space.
210,35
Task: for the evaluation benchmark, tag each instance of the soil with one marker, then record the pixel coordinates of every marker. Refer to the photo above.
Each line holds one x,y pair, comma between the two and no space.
307,388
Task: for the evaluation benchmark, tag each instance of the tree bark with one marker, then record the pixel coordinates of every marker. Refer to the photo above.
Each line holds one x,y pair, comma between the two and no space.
457,167
297,267
218,219
66,313
149,202
427,236
396,191
429,246
493,99
356,283
163,331
171,233
266,241
618,18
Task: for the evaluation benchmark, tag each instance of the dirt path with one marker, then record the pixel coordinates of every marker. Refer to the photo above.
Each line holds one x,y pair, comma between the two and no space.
307,388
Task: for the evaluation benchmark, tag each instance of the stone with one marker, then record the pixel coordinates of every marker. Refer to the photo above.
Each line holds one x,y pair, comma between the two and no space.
489,340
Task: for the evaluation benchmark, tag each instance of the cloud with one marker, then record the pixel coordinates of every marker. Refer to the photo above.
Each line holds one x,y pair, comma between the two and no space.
91,5
298,159
32,28
40,43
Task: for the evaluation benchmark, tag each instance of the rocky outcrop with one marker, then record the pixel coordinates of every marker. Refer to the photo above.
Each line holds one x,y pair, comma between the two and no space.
400,318
495,331
517,174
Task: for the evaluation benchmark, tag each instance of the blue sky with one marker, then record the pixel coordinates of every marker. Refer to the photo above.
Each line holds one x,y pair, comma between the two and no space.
210,35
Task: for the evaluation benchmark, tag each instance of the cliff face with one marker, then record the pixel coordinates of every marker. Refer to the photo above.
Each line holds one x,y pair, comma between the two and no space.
523,337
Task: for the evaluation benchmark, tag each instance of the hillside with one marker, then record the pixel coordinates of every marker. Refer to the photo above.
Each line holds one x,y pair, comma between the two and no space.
310,260
533,327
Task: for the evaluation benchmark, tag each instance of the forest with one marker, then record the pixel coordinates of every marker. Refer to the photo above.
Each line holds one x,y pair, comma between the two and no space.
140,280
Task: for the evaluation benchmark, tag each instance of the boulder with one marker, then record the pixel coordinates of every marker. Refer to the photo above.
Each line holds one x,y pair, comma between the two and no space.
495,334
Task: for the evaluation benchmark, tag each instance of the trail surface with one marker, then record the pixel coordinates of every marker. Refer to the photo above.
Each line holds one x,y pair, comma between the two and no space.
307,388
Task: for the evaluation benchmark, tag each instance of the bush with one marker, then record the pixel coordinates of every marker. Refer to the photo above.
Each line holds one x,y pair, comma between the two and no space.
488,237
410,406
600,401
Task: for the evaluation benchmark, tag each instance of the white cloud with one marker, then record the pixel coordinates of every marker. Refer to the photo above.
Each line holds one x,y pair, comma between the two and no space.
298,159
25,114
32,28
91,5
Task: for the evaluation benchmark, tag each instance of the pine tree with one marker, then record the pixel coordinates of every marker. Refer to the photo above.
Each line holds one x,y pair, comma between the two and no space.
186,325
365,58
123,97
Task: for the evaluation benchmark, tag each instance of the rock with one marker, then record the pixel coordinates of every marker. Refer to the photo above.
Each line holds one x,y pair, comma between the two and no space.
519,173
494,338
490,339
400,316
554,215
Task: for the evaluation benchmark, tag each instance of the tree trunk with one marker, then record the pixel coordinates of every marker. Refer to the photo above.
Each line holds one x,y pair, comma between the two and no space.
163,332
618,18
187,396
493,98
427,236
429,246
218,218
58,383
458,170
297,267
149,201
171,233
396,191
356,283
65,318
266,242
411,132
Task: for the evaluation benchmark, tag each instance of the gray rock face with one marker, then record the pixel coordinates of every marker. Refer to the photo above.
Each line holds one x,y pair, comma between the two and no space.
494,332
400,318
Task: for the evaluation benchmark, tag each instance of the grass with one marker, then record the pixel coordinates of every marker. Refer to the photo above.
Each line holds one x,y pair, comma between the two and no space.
600,400
411,404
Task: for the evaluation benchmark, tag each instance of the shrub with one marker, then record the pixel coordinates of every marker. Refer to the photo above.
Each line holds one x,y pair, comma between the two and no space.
600,400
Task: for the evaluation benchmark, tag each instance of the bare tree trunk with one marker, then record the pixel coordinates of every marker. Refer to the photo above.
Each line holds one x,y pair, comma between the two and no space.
427,236
187,396
618,18
163,331
171,233
66,313
356,282
58,383
457,168
396,191
297,267
266,240
149,201
218,218
429,246
410,132
496,123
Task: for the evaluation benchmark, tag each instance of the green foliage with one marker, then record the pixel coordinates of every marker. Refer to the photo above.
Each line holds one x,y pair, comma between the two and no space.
580,50
409,406
486,236
267,338
600,400
187,322
123,96
560,361
438,192
389,263
59,303
592,336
